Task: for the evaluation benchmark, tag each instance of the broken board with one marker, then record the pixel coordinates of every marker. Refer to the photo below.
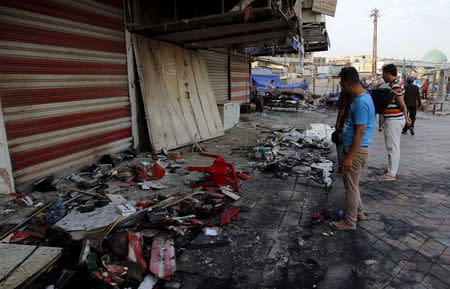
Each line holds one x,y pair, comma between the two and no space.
162,257
22,264
178,99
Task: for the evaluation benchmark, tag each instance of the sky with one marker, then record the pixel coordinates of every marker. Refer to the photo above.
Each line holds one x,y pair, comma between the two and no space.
406,28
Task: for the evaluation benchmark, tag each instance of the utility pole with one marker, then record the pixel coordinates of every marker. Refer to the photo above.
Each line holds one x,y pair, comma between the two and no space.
375,13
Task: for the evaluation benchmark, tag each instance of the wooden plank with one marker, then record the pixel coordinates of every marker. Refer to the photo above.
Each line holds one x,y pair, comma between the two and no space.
169,68
202,93
193,96
161,96
178,97
183,96
29,260
152,110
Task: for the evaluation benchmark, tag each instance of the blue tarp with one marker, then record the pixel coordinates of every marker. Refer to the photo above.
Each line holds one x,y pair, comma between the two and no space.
260,81
302,85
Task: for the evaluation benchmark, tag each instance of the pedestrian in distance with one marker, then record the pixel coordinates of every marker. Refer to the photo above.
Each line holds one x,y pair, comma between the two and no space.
412,102
425,87
357,134
395,117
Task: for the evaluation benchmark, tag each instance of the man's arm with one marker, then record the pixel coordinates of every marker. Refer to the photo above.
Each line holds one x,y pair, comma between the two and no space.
340,115
357,139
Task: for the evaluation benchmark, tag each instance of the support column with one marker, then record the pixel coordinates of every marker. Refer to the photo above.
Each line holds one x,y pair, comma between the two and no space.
433,83
441,86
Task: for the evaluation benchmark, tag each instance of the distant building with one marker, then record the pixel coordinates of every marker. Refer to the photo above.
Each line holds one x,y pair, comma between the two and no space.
435,55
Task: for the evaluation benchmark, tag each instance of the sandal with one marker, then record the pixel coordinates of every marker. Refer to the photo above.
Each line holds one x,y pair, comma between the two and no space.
342,225
381,172
385,177
361,217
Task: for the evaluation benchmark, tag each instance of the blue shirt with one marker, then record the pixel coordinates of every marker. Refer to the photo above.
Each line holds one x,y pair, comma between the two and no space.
362,111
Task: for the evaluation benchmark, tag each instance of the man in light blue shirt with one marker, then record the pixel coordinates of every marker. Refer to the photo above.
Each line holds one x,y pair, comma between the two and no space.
357,135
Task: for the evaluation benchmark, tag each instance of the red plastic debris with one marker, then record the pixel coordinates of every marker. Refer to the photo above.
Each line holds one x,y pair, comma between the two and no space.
225,217
135,242
244,176
155,172
142,172
317,218
197,222
162,257
158,171
220,173
17,195
240,218
21,235
217,195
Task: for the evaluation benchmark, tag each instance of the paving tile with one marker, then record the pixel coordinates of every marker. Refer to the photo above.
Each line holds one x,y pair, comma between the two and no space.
418,266
431,282
429,253
435,245
440,273
408,275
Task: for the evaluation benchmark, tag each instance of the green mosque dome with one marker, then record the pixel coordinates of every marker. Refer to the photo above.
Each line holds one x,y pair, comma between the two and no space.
435,56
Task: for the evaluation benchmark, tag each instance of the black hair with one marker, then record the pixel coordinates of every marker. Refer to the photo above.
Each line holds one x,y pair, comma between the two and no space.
390,68
349,75
409,80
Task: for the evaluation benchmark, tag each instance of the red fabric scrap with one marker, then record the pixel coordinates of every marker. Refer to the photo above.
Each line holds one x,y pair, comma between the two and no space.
135,243
225,217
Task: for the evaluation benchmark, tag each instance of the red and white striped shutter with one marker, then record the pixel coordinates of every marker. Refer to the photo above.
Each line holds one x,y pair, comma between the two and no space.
63,83
240,78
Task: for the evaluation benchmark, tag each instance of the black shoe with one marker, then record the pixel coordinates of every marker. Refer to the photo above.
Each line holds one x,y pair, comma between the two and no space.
411,130
404,132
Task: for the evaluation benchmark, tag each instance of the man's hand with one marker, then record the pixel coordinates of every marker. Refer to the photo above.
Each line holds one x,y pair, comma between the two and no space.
408,121
347,164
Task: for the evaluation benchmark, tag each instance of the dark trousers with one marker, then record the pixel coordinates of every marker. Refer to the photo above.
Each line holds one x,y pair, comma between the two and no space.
412,111
424,94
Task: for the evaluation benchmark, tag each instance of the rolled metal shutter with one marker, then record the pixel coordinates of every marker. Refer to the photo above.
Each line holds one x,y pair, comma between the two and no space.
63,83
240,78
217,66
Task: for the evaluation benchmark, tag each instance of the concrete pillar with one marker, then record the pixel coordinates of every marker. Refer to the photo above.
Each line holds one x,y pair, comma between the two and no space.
440,95
432,84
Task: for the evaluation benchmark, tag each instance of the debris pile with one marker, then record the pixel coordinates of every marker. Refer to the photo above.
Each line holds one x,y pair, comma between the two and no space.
289,151
288,99
118,222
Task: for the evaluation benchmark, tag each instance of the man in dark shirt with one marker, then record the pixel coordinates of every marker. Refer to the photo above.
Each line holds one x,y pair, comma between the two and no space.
412,101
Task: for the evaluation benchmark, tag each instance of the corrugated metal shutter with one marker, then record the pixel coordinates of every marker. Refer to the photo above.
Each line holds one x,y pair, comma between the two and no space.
217,66
63,83
240,78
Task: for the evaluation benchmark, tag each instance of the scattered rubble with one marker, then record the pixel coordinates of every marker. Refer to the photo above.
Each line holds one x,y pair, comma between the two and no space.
289,151
127,219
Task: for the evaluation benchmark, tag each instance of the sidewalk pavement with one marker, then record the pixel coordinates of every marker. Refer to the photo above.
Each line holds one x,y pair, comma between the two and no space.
408,230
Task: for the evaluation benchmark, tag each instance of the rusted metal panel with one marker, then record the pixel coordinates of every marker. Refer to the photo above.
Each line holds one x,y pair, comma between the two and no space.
63,83
240,78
